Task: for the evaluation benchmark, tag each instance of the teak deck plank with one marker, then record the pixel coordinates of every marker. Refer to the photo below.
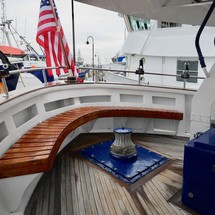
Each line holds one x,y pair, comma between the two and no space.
51,133
95,192
107,195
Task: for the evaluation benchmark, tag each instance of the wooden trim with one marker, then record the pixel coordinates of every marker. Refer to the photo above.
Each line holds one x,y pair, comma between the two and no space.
36,151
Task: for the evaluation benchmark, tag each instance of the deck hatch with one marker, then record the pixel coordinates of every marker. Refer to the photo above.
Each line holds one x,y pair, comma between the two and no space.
129,171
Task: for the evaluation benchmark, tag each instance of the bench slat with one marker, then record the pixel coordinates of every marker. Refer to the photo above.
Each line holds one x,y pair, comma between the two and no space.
30,154
32,144
29,148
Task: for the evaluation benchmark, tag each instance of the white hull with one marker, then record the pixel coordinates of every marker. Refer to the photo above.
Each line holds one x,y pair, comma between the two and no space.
21,113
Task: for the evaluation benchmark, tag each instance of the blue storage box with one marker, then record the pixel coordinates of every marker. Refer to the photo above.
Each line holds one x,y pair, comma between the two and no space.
198,191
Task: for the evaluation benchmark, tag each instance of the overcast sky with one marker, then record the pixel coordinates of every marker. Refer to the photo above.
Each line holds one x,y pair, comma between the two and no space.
106,27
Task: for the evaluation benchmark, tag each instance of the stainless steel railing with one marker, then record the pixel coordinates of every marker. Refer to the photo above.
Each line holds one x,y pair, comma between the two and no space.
4,74
94,70
134,72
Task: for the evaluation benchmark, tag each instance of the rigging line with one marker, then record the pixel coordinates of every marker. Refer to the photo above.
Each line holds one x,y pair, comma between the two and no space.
148,36
28,45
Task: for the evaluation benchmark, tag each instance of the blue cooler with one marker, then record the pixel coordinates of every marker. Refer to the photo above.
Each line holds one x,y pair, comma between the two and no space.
198,191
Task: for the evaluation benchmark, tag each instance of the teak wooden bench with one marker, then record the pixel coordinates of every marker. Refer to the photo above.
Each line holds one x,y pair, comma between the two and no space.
36,151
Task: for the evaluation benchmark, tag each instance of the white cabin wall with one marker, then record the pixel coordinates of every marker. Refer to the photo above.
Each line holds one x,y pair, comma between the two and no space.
164,65
203,111
174,42
161,47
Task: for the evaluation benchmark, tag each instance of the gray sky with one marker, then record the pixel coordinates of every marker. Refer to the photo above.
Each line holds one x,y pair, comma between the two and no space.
106,27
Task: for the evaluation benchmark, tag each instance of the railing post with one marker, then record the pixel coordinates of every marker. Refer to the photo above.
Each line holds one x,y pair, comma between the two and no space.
4,73
185,75
6,94
139,79
44,77
96,78
140,70
185,81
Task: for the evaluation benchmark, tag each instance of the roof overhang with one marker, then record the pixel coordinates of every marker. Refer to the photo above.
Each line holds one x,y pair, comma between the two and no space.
179,11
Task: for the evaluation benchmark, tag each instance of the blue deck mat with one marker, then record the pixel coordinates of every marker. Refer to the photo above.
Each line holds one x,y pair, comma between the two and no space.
129,171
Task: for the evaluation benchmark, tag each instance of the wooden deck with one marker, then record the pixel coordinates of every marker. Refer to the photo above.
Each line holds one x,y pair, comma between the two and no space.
74,186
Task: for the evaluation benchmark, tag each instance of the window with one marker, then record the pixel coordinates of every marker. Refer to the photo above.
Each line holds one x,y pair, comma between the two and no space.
193,70
168,24
138,23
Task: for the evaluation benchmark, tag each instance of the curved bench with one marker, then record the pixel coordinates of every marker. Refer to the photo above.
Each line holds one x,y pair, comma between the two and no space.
36,151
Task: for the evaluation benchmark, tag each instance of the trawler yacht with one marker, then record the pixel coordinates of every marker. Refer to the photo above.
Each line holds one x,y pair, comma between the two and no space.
112,148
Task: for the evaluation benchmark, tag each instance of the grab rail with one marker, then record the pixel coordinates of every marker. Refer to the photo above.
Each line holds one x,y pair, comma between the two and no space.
6,94
139,76
130,71
4,74
198,49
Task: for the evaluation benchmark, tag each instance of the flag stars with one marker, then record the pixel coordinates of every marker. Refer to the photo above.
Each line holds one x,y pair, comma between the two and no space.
44,2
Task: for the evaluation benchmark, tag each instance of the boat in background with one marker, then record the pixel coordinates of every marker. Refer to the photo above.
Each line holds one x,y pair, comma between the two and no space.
20,52
12,51
163,46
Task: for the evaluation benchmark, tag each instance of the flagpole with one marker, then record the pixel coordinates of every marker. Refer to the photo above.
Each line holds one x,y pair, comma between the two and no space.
61,39
73,31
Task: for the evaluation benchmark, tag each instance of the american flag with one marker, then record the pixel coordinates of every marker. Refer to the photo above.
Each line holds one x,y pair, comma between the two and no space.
51,37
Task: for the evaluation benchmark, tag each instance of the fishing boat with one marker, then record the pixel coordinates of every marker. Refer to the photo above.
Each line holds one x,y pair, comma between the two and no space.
20,52
111,148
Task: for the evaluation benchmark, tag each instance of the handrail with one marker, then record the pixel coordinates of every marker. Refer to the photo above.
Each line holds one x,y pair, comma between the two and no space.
3,78
198,49
130,71
6,94
35,69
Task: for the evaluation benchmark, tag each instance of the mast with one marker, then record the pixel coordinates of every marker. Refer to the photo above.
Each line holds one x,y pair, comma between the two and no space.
3,20
4,25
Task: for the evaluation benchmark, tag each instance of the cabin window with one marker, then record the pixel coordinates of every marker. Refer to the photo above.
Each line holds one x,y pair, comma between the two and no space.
163,24
193,70
138,23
